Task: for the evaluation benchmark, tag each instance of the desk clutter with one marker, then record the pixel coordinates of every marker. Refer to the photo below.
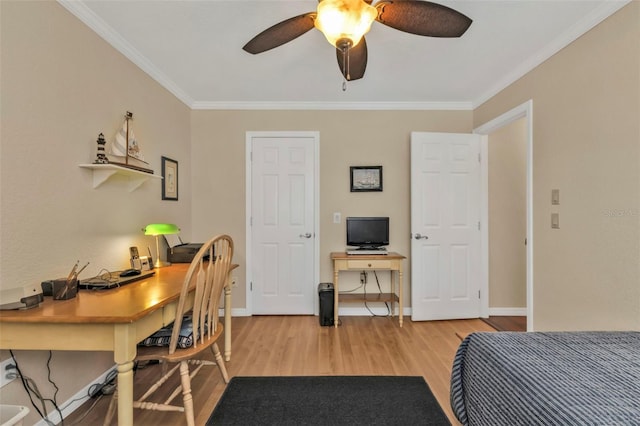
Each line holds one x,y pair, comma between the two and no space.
113,279
108,279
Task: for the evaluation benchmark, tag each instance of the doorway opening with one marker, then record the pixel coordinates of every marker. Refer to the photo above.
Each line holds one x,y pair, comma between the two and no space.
525,111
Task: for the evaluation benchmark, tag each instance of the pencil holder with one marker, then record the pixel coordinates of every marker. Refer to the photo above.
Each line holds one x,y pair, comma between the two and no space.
63,289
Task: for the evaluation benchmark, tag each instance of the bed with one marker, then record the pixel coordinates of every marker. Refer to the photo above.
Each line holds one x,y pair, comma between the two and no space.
555,378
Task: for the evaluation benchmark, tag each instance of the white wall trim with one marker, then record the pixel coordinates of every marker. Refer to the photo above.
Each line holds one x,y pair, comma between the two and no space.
507,312
361,106
75,401
524,110
378,308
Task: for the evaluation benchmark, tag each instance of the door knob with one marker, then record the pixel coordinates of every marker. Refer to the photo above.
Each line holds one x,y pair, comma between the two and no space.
307,235
421,237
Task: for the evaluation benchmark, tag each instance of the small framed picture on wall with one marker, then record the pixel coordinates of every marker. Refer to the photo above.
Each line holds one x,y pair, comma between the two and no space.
366,178
169,179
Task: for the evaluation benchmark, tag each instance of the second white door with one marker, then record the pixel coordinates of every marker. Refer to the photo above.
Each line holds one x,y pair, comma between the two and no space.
445,226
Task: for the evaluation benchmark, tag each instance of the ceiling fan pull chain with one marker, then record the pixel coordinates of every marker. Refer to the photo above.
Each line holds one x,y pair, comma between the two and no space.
348,65
345,69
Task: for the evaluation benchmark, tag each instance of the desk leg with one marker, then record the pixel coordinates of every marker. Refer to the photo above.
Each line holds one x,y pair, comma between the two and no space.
400,295
335,298
123,354
125,393
227,322
392,278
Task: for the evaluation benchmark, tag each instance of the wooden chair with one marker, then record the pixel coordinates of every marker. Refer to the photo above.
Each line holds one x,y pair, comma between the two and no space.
205,279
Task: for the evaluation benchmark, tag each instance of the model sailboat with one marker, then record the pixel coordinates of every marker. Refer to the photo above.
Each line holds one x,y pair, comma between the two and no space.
126,146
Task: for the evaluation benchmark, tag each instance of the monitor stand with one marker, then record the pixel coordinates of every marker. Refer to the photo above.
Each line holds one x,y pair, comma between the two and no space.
367,250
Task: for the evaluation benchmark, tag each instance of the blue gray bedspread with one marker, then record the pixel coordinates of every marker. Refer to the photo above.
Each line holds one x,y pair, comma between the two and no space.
560,378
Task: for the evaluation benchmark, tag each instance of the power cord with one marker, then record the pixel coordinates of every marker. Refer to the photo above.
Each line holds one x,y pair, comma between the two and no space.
32,390
107,387
379,291
97,391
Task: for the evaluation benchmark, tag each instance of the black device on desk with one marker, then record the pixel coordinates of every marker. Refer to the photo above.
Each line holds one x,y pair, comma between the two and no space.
113,279
180,252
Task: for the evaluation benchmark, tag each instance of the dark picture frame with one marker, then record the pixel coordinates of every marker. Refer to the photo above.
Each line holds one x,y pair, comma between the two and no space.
366,178
169,179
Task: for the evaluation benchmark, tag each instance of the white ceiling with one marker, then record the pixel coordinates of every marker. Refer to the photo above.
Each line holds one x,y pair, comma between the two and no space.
194,49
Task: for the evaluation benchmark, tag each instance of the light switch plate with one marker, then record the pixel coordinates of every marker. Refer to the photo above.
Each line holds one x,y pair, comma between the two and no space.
555,197
555,220
337,217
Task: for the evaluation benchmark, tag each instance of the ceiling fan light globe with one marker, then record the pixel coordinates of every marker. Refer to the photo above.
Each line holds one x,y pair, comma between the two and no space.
344,19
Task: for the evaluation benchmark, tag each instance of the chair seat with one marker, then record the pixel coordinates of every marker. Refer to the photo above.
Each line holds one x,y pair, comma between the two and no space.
162,337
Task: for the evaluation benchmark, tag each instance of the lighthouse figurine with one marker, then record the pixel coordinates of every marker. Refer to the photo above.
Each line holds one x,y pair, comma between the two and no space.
102,158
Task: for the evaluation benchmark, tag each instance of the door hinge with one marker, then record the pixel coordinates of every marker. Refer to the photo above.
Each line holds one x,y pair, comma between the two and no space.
478,226
478,294
479,157
250,285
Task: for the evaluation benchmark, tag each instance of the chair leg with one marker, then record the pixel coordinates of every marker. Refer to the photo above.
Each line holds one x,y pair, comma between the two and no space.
187,398
113,405
220,362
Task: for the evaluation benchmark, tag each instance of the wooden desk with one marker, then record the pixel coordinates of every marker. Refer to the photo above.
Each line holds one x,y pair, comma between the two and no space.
363,262
108,320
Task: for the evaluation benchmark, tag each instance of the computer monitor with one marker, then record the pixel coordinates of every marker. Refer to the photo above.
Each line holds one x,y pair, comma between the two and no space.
367,232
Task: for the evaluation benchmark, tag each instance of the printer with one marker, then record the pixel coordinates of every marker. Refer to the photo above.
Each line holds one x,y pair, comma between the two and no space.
179,251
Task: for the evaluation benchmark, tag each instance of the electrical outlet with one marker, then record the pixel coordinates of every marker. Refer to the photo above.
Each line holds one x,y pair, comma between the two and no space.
234,281
8,372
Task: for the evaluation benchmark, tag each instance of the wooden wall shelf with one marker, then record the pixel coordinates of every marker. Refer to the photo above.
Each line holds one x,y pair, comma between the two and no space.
102,172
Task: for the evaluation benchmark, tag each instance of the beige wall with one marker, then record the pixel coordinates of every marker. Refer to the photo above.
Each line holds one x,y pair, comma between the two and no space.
507,173
347,138
586,142
61,86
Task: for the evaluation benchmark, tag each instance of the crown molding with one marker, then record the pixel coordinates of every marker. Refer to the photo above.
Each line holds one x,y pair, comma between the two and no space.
363,106
90,19
598,15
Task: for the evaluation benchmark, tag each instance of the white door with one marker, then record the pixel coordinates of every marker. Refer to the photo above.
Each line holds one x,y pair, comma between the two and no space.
445,226
282,222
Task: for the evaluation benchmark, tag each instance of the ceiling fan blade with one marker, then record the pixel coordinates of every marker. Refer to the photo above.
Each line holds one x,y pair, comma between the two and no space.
422,18
281,33
356,62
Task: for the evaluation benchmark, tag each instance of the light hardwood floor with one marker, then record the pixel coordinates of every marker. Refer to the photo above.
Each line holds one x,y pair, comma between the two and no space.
299,346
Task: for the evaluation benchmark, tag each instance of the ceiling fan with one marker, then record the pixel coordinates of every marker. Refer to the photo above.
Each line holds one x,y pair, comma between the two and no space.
344,23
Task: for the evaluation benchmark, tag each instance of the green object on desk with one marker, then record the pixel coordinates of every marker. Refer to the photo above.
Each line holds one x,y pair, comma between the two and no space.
157,229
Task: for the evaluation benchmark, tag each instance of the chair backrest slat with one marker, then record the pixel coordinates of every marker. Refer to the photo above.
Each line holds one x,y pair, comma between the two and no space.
209,276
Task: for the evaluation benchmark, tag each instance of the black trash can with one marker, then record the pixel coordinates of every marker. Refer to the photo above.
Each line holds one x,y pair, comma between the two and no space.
325,294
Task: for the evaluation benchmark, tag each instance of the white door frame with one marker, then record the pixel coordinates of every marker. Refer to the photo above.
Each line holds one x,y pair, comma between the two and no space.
524,110
248,208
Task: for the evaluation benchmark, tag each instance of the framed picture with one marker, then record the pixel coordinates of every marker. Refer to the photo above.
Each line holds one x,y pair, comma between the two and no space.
169,179
366,178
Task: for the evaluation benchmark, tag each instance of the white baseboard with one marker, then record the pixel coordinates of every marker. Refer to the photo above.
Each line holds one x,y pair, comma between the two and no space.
377,309
508,312
75,401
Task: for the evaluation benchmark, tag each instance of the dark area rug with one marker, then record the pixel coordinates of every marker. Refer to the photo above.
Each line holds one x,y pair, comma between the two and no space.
328,400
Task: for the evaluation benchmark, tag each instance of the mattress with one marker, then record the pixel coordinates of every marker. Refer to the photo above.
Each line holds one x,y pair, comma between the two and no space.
555,378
